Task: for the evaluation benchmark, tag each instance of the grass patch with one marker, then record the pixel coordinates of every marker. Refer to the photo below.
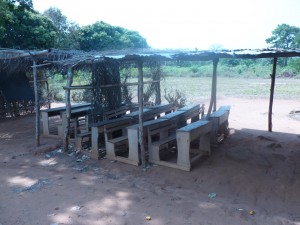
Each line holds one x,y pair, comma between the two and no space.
196,88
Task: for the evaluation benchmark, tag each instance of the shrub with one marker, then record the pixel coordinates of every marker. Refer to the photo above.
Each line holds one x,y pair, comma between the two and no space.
177,98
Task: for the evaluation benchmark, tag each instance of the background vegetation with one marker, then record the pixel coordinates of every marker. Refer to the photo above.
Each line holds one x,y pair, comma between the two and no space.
22,27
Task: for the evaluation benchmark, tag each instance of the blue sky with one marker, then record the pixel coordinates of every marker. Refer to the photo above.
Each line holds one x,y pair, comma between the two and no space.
186,23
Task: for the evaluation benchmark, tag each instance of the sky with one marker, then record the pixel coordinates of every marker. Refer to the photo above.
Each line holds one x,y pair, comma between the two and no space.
186,24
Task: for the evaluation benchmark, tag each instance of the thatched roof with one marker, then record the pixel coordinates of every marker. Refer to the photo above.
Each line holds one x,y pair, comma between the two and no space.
24,58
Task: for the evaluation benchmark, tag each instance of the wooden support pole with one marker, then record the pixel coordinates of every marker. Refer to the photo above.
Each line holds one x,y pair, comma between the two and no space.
213,97
37,105
68,110
273,76
140,100
48,92
157,78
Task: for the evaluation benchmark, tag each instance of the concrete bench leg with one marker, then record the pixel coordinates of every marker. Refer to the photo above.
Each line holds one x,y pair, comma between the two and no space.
183,148
154,153
110,150
78,143
134,157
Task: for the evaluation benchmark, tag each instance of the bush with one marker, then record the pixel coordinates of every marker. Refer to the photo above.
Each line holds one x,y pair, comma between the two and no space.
176,98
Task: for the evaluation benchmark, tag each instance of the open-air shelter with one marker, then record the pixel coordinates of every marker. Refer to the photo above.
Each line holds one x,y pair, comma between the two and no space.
108,63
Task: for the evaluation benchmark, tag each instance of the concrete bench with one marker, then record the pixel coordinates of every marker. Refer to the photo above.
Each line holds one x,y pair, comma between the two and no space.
79,139
47,113
220,123
161,109
198,131
159,136
116,141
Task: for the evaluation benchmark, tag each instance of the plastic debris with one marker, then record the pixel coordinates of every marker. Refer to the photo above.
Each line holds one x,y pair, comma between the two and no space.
76,208
212,195
148,218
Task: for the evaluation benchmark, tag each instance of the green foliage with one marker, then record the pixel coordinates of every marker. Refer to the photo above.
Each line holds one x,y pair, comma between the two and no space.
284,36
24,28
27,4
102,36
67,32
175,97
250,68
295,64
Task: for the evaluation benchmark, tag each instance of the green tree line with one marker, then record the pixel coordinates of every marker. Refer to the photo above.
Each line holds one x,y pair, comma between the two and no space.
22,27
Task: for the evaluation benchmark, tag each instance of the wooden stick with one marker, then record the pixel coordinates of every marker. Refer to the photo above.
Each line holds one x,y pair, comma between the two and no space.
213,96
37,106
108,85
273,76
21,54
39,81
68,110
47,89
41,65
215,65
140,98
158,93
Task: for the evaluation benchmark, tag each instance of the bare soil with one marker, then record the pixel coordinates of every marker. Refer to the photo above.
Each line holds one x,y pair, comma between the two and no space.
253,177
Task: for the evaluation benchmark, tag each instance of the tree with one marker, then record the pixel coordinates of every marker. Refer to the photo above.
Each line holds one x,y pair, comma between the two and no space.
297,41
103,36
27,4
67,32
284,36
23,27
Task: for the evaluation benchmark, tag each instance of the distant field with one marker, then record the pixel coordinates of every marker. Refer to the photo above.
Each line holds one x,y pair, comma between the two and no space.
199,88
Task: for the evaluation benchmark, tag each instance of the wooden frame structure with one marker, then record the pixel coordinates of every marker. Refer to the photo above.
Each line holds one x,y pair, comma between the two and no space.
71,59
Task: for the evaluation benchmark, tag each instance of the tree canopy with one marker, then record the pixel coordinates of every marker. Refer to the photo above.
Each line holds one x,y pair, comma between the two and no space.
22,27
67,32
285,36
103,36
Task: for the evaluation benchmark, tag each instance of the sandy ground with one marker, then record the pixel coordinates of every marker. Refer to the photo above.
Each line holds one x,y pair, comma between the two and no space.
251,170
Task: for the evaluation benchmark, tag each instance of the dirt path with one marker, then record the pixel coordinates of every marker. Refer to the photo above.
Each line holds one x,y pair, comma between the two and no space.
252,170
